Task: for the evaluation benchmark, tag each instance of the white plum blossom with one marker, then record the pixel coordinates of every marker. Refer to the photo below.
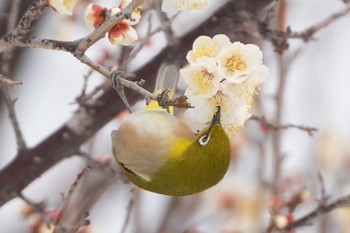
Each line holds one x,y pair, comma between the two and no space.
247,89
206,47
233,110
222,74
237,60
182,5
202,79
64,7
206,106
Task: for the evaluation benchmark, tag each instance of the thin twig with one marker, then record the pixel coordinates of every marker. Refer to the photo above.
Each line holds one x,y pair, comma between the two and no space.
86,80
6,59
165,26
83,99
308,33
324,197
138,49
21,144
67,198
126,83
100,166
33,42
317,212
163,17
279,101
279,37
38,208
275,126
129,209
74,186
9,82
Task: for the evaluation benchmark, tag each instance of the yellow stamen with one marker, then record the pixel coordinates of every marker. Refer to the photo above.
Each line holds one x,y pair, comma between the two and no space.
197,5
218,99
137,10
232,130
205,79
208,49
234,63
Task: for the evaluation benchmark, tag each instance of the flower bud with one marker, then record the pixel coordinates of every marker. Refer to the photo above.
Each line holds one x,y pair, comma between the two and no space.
94,16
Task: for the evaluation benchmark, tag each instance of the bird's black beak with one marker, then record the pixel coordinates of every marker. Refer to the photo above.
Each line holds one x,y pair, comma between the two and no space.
216,118
204,139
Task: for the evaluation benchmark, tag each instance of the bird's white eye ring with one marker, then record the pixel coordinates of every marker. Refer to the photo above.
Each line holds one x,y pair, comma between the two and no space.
204,139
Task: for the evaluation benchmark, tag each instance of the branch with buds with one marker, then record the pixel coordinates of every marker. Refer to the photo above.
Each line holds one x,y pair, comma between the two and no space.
272,126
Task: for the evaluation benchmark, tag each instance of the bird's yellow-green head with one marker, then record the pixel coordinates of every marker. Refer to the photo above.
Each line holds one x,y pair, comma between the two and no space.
159,153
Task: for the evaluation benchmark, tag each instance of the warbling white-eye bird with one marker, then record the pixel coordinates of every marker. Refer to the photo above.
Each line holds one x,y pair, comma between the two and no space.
160,153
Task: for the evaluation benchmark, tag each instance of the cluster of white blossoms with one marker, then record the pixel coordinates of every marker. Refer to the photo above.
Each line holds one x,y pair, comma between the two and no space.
225,74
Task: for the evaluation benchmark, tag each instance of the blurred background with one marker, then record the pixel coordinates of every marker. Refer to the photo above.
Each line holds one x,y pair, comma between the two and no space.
309,85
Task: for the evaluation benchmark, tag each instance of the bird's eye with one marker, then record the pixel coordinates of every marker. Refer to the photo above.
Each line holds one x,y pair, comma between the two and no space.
204,139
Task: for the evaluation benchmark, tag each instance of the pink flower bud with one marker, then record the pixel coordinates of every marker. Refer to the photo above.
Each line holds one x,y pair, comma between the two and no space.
122,34
95,15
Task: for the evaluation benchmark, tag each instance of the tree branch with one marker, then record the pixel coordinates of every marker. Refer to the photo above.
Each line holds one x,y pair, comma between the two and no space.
320,210
9,82
5,69
276,126
279,38
21,145
59,227
129,208
308,33
31,15
78,47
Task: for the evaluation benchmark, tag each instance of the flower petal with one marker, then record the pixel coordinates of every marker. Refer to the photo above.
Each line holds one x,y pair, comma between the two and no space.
135,15
122,34
192,121
94,16
181,5
64,7
206,47
237,59
202,79
191,4
204,113
168,5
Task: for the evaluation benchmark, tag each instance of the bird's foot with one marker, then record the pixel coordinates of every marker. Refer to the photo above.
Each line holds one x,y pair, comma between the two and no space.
118,87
